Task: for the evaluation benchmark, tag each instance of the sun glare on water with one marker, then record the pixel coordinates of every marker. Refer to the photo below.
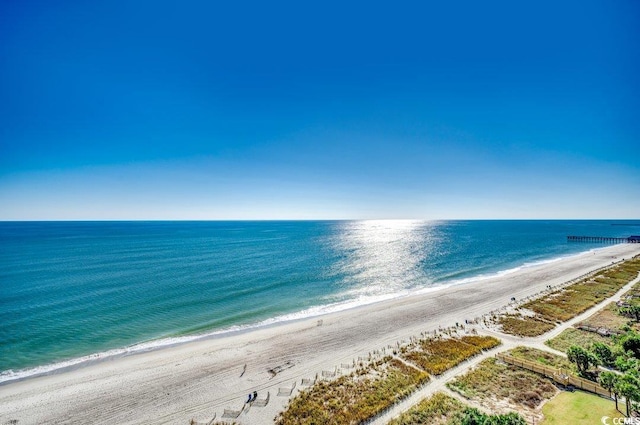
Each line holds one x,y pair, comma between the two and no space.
383,256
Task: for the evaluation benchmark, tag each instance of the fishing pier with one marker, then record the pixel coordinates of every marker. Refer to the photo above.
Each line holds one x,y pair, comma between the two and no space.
603,239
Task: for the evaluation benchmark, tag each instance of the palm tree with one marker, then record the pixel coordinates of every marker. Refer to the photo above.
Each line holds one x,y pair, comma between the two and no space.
625,391
608,380
627,386
632,380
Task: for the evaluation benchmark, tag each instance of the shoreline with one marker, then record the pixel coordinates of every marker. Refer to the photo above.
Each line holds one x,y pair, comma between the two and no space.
202,377
10,376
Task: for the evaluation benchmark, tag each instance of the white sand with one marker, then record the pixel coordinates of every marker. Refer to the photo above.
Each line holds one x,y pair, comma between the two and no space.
202,378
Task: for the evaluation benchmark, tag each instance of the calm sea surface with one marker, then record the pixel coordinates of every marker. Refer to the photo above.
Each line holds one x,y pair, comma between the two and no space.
69,290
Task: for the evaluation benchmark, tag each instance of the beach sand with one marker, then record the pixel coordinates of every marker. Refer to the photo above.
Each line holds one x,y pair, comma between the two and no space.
202,378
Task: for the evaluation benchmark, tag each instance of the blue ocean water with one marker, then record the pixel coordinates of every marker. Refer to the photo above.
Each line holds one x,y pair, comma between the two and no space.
70,290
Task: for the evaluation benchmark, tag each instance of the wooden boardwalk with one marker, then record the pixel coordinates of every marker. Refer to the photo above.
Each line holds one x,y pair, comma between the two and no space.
557,375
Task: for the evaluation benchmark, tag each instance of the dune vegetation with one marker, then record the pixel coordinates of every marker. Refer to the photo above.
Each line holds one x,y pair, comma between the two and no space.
437,409
353,398
493,380
350,399
582,338
545,312
440,354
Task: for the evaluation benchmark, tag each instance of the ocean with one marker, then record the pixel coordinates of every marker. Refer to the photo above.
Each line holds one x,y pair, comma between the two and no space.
77,291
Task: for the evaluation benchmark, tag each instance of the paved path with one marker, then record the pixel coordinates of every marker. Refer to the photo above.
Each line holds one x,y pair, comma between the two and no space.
437,383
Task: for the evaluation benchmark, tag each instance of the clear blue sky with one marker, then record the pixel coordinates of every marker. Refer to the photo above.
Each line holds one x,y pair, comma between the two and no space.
303,110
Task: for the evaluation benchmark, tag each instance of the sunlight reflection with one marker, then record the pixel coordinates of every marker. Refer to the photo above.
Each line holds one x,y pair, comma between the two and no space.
383,256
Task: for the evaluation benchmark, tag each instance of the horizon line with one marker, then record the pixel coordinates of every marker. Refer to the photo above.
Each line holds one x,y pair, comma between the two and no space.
89,220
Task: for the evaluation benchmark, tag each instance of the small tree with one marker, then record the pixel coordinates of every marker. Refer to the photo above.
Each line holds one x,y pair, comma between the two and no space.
608,380
581,357
603,353
631,342
472,416
632,311
628,386
625,390
626,363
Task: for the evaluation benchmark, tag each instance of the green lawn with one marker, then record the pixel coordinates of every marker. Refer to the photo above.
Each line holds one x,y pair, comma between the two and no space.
579,408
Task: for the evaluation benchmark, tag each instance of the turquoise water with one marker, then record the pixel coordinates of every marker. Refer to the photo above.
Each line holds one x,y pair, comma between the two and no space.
73,289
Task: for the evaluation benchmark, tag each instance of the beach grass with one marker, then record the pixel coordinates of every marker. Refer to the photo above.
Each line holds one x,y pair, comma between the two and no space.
579,337
566,303
440,354
439,409
578,408
524,325
562,305
492,381
542,357
608,318
354,398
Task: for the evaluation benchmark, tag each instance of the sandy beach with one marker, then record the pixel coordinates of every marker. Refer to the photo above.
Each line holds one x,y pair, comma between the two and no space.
203,378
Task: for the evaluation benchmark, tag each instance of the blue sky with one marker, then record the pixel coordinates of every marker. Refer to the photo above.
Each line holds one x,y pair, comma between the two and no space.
301,110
